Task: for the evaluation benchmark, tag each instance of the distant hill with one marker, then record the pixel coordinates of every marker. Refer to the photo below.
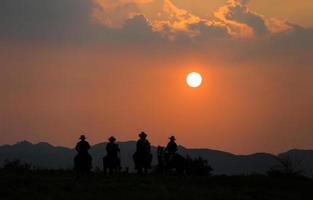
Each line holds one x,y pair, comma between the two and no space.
45,155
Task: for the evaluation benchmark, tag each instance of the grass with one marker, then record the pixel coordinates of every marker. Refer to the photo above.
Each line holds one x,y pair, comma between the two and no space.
61,185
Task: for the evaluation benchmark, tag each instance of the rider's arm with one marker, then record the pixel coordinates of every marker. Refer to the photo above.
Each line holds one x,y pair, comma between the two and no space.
77,147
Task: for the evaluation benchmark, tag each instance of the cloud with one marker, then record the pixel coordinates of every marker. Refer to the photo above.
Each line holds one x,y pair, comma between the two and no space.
297,40
242,22
69,21
135,30
171,20
114,13
234,19
109,21
177,20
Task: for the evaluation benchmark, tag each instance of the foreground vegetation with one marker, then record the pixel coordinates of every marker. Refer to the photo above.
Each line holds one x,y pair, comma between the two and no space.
45,184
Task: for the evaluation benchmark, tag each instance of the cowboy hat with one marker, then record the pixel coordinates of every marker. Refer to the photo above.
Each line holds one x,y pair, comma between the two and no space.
82,137
142,134
112,139
172,138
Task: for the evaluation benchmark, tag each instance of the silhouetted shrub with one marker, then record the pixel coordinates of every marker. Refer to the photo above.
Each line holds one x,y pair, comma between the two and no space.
288,167
16,166
198,167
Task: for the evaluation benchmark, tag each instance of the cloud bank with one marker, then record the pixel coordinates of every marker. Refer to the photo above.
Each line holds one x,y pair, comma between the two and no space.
235,19
128,21
114,13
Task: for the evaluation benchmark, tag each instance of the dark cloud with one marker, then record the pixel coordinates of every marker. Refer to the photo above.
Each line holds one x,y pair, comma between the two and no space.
114,13
236,15
299,39
207,32
138,29
66,21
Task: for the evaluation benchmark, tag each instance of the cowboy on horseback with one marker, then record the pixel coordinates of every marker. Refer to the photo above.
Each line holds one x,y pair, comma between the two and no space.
142,156
83,159
171,147
112,160
169,159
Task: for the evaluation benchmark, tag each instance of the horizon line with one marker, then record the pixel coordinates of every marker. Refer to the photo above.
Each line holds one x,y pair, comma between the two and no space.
155,145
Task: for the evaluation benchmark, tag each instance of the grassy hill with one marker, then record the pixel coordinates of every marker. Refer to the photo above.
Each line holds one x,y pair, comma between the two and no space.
64,185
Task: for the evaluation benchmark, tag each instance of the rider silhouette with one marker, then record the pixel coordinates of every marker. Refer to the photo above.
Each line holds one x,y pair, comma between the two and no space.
142,156
112,148
82,146
143,145
171,147
83,159
112,160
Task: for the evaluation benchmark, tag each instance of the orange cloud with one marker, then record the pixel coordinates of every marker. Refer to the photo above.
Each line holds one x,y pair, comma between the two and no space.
242,22
277,26
235,18
177,20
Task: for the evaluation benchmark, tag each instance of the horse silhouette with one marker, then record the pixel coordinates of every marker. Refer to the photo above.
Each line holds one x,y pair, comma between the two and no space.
182,165
168,162
83,160
142,157
113,164
112,160
142,162
82,164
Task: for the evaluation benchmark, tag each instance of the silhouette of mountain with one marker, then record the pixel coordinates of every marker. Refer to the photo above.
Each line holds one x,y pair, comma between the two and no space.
303,157
44,155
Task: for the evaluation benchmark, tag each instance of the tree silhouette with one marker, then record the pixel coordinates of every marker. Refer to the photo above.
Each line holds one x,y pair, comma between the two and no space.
290,166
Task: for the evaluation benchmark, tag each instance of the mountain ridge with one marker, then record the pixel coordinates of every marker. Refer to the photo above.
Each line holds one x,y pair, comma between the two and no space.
45,155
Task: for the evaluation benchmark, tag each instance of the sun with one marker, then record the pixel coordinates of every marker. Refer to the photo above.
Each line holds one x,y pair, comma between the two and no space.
194,79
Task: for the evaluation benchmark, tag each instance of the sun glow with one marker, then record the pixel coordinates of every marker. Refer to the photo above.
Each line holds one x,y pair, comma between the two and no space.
194,79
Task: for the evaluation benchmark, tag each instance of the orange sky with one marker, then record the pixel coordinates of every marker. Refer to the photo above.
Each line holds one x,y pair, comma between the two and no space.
242,106
75,76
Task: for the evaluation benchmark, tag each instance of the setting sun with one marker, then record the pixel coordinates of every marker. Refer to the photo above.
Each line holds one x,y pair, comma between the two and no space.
194,79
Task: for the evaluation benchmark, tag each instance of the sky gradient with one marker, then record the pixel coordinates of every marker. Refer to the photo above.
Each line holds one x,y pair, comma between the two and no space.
103,68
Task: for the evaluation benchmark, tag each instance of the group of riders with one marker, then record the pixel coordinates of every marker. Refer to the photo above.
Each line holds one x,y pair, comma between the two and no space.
142,157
